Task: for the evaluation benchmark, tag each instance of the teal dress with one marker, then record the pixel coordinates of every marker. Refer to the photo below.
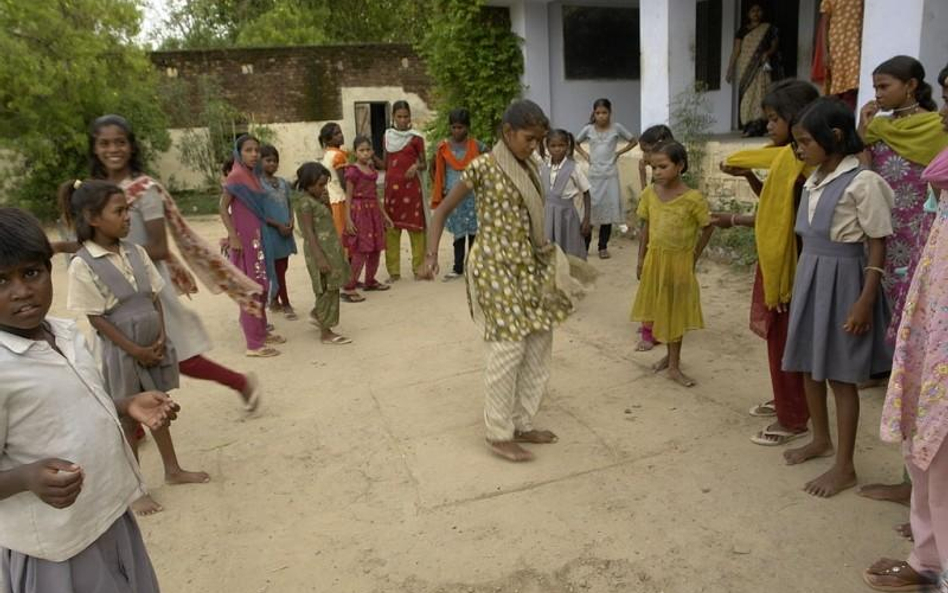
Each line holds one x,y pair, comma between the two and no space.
277,207
462,222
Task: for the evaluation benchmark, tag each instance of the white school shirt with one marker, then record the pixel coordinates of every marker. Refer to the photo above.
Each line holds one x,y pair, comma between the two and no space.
864,210
88,295
54,405
576,186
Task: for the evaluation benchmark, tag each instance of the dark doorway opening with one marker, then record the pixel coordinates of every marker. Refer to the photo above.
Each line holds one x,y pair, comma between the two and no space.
371,119
785,15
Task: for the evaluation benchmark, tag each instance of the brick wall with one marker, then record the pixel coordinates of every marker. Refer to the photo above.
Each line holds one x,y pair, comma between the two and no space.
288,84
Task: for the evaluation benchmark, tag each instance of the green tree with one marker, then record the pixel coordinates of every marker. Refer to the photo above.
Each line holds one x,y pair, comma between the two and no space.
65,63
199,24
475,61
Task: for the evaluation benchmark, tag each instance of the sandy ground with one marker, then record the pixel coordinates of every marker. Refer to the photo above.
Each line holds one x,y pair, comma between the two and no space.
366,469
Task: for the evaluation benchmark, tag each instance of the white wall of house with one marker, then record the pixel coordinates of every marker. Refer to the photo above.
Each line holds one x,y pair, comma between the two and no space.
917,28
297,141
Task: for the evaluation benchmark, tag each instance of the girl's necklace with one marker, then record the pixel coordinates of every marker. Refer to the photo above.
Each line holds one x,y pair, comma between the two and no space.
901,111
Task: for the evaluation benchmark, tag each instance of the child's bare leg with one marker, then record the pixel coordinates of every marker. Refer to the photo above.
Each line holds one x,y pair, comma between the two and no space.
822,444
843,473
674,366
173,472
662,364
146,505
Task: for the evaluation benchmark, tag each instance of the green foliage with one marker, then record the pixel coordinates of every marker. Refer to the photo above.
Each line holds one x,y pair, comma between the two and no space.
199,24
691,121
217,124
66,63
475,62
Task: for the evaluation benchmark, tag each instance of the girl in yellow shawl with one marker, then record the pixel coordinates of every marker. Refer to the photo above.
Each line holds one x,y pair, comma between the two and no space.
900,145
777,251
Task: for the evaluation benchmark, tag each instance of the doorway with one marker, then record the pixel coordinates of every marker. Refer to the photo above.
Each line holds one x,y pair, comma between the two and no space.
371,120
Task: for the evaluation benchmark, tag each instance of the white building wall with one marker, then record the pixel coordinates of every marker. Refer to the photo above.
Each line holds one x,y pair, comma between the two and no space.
572,99
934,45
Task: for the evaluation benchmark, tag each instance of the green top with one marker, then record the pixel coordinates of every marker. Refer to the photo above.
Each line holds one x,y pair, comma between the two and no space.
506,280
328,240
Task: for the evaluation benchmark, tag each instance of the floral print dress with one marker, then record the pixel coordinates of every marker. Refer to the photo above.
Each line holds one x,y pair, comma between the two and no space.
910,223
916,406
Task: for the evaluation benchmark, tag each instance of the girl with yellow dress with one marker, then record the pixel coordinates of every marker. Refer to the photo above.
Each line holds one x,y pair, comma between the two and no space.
676,227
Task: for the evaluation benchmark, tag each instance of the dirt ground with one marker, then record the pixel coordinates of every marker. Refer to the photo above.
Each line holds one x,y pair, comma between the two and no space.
365,470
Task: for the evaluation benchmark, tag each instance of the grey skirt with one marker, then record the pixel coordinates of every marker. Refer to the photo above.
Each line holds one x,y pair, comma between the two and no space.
563,227
824,291
124,376
117,562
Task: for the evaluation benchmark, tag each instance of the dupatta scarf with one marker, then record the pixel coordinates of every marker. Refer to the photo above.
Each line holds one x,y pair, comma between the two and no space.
216,272
243,184
918,138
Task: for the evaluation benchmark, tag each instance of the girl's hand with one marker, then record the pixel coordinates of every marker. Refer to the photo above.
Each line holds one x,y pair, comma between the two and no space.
388,222
351,227
411,172
285,230
859,320
734,171
154,409
722,220
323,264
233,242
147,356
782,307
868,111
429,269
638,270
56,482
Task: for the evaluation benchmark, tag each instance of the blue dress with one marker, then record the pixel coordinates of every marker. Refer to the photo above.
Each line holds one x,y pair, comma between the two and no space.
462,222
277,207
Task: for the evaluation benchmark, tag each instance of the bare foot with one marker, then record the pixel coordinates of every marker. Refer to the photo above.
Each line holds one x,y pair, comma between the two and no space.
807,452
185,477
536,437
905,530
660,365
644,346
898,493
510,451
832,482
679,377
145,506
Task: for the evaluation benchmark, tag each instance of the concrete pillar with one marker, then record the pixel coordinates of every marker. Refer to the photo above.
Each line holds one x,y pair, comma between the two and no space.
667,40
530,21
888,29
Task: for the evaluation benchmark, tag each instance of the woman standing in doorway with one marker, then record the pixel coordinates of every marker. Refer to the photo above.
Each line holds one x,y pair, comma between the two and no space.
752,65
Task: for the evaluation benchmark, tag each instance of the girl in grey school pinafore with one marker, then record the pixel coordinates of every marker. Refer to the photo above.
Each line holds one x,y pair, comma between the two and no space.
139,320
829,280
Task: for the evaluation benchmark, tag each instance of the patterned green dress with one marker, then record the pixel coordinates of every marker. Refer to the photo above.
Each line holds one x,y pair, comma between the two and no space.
328,239
508,285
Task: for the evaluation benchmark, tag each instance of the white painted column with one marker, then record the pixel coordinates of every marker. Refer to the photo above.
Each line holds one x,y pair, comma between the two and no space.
889,28
667,40
530,21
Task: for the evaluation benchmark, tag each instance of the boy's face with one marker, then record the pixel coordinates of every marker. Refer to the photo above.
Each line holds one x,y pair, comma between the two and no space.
26,294
270,164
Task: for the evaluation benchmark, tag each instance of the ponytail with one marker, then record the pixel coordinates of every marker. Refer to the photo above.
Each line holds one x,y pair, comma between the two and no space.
923,94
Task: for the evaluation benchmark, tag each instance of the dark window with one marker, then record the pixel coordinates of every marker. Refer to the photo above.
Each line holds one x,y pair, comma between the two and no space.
708,44
601,43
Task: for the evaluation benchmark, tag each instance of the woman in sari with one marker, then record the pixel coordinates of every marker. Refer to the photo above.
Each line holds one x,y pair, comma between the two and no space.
752,66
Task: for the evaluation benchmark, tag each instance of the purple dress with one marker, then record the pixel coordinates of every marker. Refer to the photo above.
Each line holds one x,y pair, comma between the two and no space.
910,223
250,260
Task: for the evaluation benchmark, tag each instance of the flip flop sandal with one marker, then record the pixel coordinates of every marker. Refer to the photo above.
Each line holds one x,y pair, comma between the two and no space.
351,298
377,286
765,410
776,438
338,341
253,401
275,339
896,572
604,254
263,353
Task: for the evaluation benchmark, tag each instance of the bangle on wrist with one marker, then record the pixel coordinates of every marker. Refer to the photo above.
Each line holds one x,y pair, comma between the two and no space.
875,269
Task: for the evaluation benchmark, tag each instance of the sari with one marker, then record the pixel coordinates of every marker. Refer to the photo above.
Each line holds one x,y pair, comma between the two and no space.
754,72
249,216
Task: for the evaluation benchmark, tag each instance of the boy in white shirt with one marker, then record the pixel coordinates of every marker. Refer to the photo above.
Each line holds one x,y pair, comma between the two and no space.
67,474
